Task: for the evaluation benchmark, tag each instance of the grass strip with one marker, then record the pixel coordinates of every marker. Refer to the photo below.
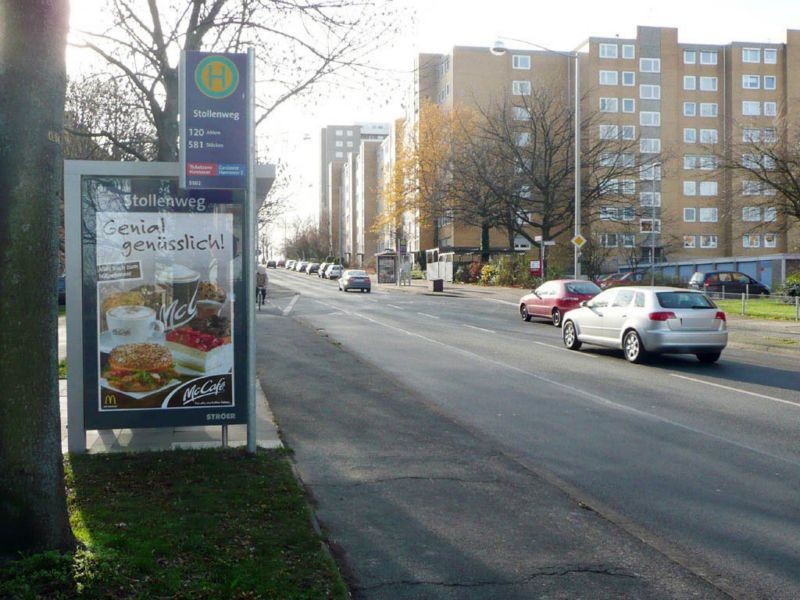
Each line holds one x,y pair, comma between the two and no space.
182,524
759,308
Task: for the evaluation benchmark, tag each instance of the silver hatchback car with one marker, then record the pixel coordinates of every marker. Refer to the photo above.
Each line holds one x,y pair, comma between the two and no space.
644,320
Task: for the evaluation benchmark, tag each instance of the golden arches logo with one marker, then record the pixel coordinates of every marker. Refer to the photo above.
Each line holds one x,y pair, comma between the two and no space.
216,77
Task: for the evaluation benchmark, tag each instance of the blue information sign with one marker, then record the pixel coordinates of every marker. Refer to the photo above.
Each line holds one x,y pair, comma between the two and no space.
214,140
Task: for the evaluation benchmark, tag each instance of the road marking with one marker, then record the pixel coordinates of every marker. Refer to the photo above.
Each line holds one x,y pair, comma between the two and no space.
554,347
738,390
395,306
479,328
427,315
504,302
289,308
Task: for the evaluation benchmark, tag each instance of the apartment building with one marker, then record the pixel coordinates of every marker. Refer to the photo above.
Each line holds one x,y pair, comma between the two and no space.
683,105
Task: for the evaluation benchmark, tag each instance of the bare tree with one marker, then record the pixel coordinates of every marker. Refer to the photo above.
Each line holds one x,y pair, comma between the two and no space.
33,509
300,44
305,242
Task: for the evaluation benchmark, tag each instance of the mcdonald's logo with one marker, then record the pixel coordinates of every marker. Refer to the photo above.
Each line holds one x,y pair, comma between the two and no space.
216,77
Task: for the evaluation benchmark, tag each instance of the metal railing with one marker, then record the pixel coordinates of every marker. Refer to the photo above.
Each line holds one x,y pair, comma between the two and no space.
773,306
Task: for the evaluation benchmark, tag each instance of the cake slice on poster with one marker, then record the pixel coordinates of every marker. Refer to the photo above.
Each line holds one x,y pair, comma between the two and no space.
200,347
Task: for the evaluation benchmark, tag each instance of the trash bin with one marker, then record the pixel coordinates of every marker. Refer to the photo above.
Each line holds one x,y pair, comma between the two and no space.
437,285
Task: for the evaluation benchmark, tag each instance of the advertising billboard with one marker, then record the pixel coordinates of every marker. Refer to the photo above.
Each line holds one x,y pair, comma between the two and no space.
161,273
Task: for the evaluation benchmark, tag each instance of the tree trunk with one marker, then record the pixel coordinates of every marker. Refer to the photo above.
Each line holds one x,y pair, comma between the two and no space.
485,245
167,120
33,510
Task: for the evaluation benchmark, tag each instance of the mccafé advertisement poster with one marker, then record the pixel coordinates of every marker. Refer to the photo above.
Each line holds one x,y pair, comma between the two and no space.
164,272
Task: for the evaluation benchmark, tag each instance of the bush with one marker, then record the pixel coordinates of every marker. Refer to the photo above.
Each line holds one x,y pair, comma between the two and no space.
791,287
488,274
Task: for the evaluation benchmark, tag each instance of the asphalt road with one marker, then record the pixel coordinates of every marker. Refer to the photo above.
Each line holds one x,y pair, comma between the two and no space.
701,462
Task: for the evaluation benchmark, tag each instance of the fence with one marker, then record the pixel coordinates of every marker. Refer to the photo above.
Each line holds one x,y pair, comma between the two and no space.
772,306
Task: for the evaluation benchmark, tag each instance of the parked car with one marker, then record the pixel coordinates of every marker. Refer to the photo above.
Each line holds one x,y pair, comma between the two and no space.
291,263
645,320
553,299
271,264
301,266
727,282
625,278
312,268
333,271
62,290
355,279
281,263
321,271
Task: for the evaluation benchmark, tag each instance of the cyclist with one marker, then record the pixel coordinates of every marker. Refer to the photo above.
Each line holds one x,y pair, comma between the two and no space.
261,285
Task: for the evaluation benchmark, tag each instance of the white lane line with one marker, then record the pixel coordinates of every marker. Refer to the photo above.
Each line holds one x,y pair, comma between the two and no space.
504,302
479,328
738,390
395,306
427,315
289,308
554,347
592,397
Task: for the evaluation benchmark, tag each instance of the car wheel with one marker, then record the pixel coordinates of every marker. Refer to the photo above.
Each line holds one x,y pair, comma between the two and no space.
369,290
633,348
523,312
708,357
556,317
570,336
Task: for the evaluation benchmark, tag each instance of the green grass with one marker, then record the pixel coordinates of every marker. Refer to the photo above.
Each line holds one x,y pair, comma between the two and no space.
183,524
761,308
62,368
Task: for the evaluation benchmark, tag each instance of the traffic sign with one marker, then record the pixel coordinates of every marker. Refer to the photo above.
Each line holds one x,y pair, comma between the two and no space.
578,241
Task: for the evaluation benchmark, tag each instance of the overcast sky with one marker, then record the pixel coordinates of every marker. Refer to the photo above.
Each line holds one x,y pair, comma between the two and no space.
441,24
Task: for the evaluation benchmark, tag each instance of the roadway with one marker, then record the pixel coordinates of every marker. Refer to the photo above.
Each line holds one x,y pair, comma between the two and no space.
701,462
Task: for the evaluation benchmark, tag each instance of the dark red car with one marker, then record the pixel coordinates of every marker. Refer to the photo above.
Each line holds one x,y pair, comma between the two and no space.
626,278
553,299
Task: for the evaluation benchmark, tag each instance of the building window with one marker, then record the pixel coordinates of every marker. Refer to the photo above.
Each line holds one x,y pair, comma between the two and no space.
750,240
339,143
628,78
650,65
689,82
689,188
707,162
650,118
650,225
520,61
628,132
339,132
349,144
523,138
521,113
770,56
770,134
611,186
609,51
521,88
608,213
609,77
708,57
689,135
770,214
628,240
750,161
708,84
708,241
689,109
751,82
627,187
689,57
751,213
627,213
688,241
609,105
751,188
649,145
708,109
689,161
650,199
609,132
770,240
340,155
708,136
628,105
751,55
770,82
708,215
608,240
708,188
770,109
650,172
750,134
751,108
650,92
350,132
628,51
689,215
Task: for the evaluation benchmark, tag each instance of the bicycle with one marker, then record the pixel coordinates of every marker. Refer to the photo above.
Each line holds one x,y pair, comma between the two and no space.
261,296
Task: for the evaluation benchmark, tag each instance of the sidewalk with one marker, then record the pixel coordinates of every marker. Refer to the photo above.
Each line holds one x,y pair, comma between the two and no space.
167,438
769,335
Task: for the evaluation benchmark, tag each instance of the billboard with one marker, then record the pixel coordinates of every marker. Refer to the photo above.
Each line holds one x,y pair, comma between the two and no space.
161,272
214,113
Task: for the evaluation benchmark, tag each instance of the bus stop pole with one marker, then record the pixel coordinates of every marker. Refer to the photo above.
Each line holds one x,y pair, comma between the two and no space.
249,254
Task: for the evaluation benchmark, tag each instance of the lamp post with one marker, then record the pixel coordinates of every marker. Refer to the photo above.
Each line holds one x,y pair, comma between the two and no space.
656,167
499,49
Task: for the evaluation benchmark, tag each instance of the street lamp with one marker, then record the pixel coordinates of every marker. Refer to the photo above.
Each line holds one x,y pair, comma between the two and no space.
499,49
656,167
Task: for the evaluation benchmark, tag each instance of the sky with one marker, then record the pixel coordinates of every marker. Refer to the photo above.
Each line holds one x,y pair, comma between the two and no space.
292,133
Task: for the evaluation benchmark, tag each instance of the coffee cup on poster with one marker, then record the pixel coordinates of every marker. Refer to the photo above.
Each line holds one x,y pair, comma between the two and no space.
129,324
181,303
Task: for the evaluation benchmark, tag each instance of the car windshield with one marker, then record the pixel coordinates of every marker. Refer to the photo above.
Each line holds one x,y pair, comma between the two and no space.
582,287
356,273
683,300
